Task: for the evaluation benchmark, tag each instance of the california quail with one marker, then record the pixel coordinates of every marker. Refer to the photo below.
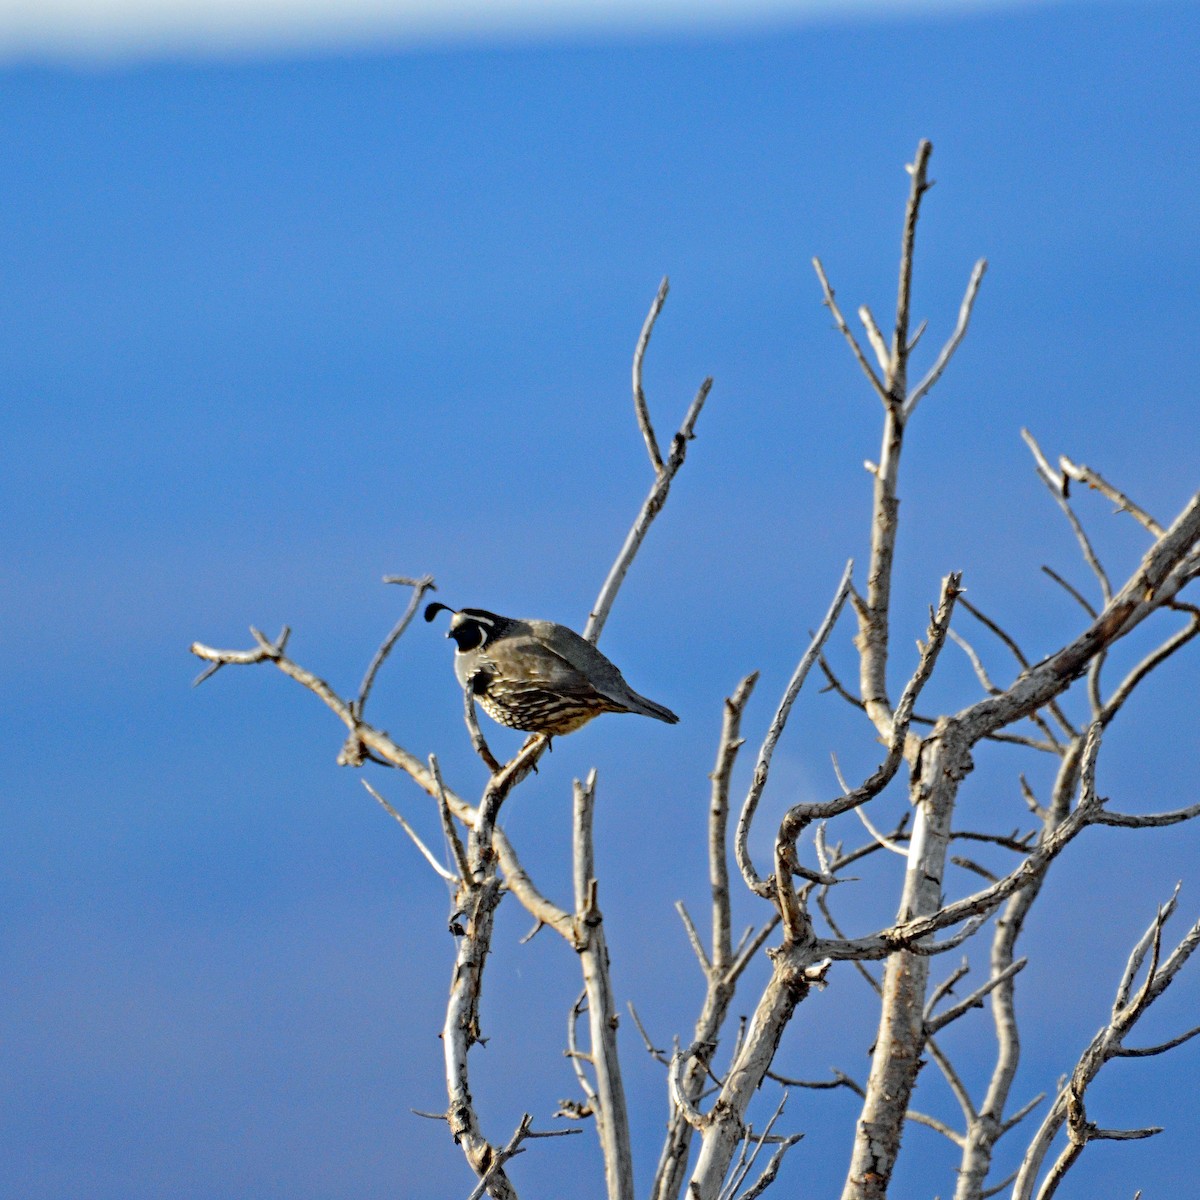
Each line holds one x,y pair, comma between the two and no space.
536,675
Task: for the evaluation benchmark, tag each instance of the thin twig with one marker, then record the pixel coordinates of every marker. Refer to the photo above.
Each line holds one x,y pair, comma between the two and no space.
1057,488
762,767
730,743
840,1079
917,169
651,507
1086,604
861,813
428,854
572,1051
840,321
639,396
947,352
938,1126
523,1133
478,741
1019,655
654,1052
771,1170
420,587
693,937
1068,1108
456,846
953,1080
875,337
975,999
1094,479
945,988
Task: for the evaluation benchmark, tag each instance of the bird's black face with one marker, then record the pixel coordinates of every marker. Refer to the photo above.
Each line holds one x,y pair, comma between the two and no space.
468,632
469,627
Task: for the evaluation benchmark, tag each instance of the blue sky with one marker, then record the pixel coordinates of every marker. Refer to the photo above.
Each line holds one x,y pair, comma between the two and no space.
276,324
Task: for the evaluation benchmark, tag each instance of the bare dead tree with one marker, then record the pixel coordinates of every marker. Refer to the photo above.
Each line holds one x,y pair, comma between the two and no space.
711,1150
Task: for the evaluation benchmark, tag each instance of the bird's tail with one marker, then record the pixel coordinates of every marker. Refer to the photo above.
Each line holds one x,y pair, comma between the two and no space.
647,708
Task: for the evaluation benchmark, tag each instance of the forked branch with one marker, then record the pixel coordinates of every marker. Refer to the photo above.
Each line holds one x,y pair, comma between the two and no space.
1068,1110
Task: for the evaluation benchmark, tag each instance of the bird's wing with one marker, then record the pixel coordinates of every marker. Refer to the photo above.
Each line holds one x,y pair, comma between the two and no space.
576,664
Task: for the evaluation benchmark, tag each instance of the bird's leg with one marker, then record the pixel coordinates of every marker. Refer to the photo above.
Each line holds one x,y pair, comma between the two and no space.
529,741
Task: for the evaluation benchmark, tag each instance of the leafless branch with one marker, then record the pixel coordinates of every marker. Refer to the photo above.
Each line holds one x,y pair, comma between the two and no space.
976,664
987,1193
1057,486
710,1100
917,171
639,396
1067,727
1093,479
730,743
612,1118
488,852
835,684
975,999
679,1094
577,1058
771,1170
937,1126
1147,820
947,353
479,889
794,972
988,1126
420,587
743,960
944,761
650,509
840,1079
428,854
738,1177
1151,661
840,321
654,1052
1031,801
945,988
1021,1114
265,651
693,937
1068,1108
478,741
969,864
799,816
1161,1048
514,1147
723,966
762,767
860,812
1074,592
953,1080
452,838
874,336
478,895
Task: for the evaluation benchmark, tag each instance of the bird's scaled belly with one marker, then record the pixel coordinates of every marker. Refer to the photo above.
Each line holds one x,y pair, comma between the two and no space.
534,710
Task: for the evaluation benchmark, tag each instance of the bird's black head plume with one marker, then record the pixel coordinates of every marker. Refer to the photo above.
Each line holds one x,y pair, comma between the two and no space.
432,610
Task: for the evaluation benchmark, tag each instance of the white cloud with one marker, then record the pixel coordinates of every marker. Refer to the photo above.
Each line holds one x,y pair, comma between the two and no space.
137,28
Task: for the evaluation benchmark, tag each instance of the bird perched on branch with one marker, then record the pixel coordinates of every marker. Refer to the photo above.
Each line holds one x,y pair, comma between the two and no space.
536,675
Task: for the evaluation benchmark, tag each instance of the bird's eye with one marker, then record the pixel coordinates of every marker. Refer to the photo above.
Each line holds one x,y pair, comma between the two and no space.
469,635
